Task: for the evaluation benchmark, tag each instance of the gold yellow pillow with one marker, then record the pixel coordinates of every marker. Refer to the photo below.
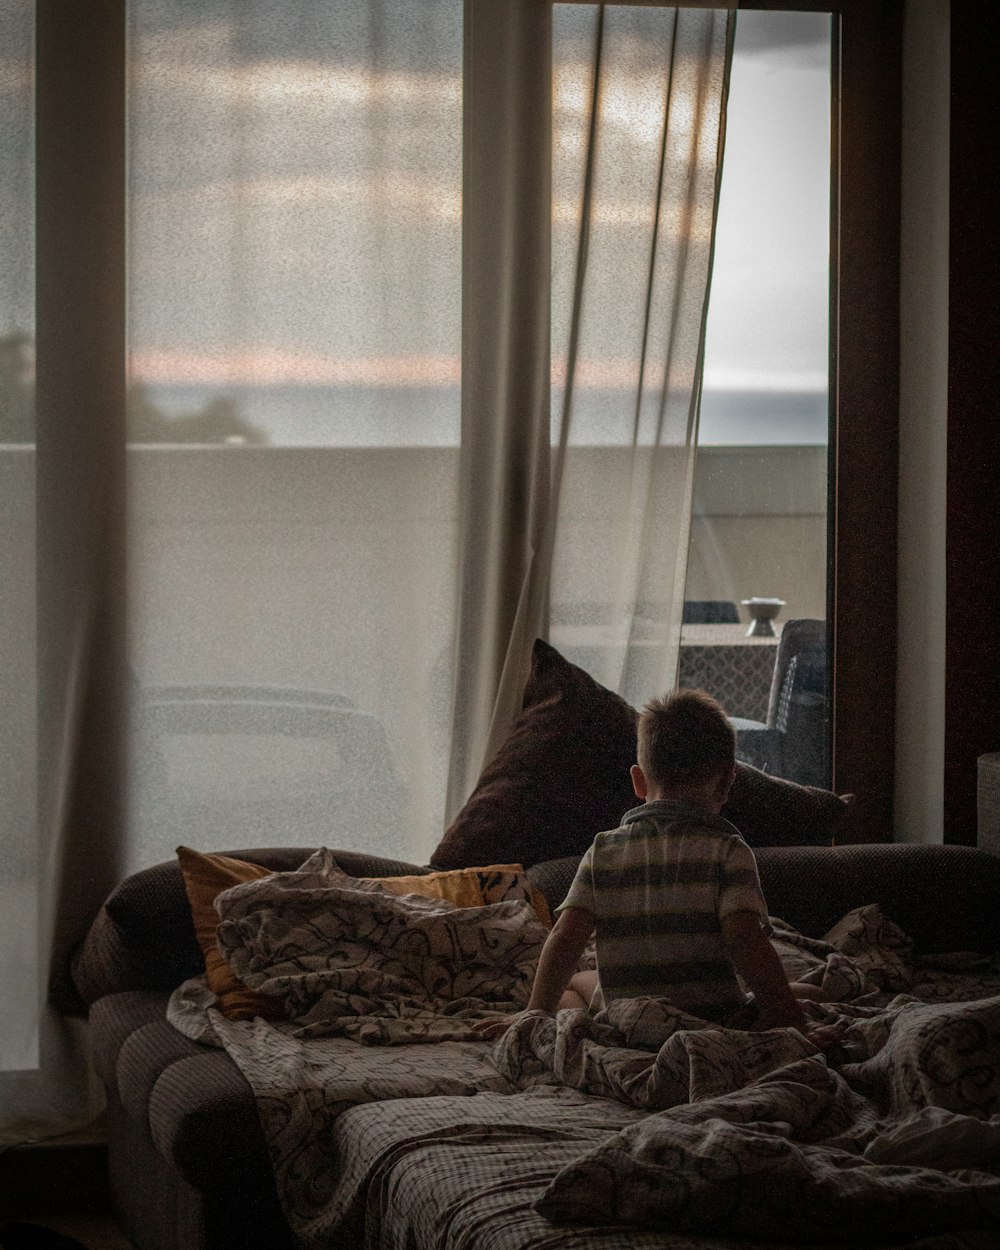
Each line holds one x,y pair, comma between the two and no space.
205,877
473,887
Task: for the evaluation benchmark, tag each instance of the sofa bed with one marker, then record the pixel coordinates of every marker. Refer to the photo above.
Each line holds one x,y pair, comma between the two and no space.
331,1090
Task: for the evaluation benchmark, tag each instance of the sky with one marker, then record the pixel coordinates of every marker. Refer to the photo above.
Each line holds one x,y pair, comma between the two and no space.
768,311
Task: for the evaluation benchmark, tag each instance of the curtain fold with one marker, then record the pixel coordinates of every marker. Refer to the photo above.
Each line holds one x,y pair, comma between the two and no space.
505,456
78,611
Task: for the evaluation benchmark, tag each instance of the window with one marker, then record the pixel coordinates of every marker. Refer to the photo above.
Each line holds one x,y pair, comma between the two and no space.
760,511
80,327
295,197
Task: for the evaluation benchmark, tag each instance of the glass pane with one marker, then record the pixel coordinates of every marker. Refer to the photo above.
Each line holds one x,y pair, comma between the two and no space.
19,971
295,302
759,525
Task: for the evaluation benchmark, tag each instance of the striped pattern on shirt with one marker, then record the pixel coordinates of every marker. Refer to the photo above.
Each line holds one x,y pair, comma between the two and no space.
658,888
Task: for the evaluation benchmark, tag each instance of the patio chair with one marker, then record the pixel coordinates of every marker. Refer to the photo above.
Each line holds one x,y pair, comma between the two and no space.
793,743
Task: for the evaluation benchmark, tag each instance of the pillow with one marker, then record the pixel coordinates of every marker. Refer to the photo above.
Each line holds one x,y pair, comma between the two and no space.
562,776
205,877
473,887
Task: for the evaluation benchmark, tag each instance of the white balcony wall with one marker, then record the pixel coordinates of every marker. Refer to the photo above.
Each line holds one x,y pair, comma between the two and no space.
759,527
262,555
280,566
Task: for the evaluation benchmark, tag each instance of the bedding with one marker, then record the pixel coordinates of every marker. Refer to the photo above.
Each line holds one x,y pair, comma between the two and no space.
452,1174
635,1127
352,958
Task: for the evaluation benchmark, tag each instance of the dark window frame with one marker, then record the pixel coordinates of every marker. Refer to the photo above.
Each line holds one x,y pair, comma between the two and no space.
864,440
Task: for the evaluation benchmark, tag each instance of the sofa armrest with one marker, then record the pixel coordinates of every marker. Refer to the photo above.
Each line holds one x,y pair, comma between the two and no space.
143,937
191,1098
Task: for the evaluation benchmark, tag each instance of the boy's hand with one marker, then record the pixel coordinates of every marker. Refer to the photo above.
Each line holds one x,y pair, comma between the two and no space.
757,963
825,1036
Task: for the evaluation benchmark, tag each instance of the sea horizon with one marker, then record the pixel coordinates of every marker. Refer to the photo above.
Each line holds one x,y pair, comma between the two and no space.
291,415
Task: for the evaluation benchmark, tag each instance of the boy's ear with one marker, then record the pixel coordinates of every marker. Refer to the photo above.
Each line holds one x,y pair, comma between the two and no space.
639,784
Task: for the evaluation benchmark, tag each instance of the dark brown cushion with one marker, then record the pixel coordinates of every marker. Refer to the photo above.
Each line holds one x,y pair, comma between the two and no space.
770,811
563,775
560,777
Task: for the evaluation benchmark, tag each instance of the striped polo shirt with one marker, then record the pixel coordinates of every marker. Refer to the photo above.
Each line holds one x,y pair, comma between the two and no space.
658,888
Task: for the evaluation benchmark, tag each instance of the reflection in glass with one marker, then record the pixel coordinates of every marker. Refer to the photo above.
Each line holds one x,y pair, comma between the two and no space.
759,524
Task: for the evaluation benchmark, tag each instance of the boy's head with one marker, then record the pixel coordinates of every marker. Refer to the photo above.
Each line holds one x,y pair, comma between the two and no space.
685,743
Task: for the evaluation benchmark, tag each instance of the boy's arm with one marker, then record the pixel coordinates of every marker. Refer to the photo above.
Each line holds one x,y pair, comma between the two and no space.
757,962
559,958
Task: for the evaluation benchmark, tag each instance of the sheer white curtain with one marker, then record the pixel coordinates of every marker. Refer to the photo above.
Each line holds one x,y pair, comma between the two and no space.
610,354
411,350
61,829
18,691
633,266
295,299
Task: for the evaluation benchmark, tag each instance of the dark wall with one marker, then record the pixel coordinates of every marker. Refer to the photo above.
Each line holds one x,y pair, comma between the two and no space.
972,657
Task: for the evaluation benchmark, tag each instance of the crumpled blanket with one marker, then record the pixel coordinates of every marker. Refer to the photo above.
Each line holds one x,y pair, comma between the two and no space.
705,1132
892,1137
756,1163
465,1174
353,959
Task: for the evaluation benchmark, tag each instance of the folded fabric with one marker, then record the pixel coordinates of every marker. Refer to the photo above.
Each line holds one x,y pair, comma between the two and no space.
205,877
473,887
934,1137
348,957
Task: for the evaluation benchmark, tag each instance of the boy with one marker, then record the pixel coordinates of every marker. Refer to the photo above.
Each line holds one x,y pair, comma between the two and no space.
674,892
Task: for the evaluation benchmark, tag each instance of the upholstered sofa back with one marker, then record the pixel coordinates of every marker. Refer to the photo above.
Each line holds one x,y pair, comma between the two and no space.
944,897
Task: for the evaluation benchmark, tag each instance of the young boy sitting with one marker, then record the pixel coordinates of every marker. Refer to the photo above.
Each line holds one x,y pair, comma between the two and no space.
674,892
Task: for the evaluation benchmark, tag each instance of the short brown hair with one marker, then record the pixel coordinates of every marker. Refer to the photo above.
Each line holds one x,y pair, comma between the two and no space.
685,738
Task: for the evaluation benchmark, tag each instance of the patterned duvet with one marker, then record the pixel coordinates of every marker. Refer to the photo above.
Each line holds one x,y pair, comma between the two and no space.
640,1127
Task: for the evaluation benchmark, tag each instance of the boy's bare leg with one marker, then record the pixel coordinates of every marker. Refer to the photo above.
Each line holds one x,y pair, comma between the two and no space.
811,992
571,999
580,991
